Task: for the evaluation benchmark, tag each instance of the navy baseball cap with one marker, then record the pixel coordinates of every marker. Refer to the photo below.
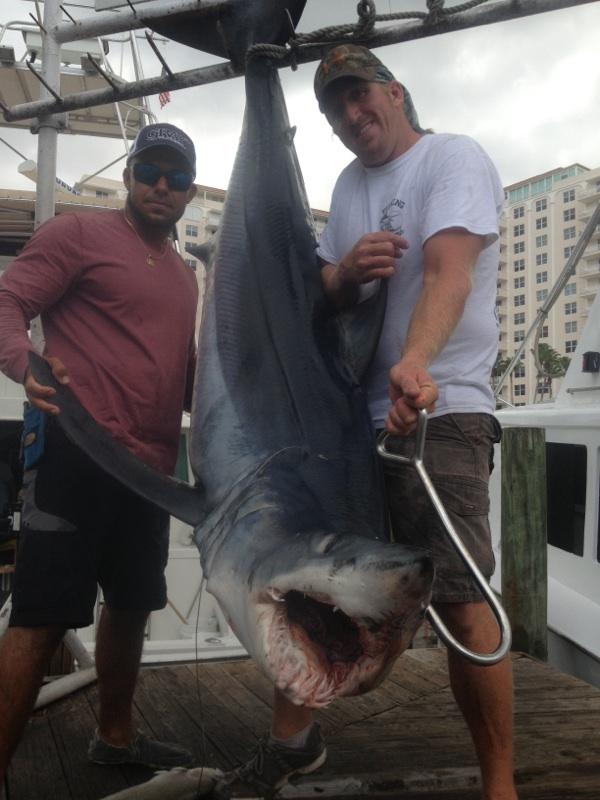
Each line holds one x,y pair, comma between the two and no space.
161,134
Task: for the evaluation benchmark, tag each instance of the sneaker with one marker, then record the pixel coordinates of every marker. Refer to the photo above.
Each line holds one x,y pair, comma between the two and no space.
272,765
142,750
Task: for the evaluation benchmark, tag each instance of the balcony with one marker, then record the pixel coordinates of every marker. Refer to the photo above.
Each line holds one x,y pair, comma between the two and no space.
592,252
213,218
592,195
591,290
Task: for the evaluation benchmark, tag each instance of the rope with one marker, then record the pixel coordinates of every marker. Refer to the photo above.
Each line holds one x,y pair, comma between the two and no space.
362,30
436,11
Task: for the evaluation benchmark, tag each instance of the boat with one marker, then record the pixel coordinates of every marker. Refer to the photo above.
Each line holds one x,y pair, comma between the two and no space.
571,424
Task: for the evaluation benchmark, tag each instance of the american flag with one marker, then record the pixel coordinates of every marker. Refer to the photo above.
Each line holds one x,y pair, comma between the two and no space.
164,98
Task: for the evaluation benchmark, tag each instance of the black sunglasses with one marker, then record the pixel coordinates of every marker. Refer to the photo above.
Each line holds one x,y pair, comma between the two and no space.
177,179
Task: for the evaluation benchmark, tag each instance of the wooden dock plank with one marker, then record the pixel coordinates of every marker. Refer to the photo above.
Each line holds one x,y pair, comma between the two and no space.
226,735
72,722
36,770
404,740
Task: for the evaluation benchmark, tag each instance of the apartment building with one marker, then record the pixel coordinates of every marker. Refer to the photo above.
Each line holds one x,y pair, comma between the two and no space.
543,219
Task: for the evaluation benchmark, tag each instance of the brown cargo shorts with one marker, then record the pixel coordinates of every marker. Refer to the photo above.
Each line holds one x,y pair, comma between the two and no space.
458,457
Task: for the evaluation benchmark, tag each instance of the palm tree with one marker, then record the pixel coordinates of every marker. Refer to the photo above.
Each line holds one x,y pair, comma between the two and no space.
565,361
551,365
498,371
500,366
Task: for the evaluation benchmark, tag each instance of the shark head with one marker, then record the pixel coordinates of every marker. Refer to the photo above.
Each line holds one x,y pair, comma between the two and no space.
323,614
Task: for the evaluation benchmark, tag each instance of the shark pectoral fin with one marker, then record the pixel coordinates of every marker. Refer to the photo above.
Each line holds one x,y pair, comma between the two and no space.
178,498
359,328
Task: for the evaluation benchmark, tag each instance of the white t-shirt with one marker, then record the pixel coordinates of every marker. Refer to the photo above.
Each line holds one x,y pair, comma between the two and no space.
443,181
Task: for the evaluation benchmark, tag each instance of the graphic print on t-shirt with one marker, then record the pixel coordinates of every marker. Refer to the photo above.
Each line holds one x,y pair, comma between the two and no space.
392,217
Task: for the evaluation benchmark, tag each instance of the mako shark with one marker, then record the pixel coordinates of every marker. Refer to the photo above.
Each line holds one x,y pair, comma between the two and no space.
288,507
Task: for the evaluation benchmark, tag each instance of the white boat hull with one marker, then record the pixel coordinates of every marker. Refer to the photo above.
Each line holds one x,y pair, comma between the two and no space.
573,579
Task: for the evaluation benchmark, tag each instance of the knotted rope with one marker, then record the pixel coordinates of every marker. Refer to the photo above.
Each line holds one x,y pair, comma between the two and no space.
362,31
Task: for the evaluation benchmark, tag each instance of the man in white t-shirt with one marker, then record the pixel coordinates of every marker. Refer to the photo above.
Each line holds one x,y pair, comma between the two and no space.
421,211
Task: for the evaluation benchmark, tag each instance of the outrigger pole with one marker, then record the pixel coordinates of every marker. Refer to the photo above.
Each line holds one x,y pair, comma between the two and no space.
49,122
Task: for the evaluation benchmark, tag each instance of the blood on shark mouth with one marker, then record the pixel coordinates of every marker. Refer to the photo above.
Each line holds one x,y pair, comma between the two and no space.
327,626
319,653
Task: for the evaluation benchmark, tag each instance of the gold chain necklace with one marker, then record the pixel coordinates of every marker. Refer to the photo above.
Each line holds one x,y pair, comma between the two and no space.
150,259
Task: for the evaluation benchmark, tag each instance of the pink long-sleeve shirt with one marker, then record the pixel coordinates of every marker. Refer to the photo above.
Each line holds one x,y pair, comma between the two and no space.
123,329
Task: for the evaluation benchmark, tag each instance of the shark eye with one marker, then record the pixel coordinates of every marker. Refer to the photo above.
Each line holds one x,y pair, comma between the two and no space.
325,545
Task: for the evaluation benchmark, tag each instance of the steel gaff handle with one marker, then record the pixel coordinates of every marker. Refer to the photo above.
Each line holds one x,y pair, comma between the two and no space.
484,659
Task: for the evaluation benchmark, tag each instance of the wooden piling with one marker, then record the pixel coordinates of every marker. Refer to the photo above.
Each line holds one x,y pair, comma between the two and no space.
524,540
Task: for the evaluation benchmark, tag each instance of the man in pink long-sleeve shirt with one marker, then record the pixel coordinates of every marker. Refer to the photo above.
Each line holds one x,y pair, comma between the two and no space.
118,307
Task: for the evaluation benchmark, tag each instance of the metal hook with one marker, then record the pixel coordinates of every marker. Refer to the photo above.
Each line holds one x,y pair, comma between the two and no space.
152,44
484,659
54,94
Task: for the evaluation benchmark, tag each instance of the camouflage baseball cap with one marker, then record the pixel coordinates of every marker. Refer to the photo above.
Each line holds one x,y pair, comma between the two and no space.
349,61
355,61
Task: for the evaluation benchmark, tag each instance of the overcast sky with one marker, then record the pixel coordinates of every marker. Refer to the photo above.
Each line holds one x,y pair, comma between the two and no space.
528,90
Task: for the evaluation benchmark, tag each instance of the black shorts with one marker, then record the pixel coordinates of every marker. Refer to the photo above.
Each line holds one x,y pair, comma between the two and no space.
81,528
458,457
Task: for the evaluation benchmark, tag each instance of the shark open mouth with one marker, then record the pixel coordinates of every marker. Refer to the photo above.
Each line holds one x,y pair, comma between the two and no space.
317,652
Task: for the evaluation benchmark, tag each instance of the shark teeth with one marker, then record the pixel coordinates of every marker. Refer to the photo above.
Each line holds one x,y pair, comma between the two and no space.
300,646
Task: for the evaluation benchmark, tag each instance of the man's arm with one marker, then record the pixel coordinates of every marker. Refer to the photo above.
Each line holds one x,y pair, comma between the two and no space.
372,257
449,258
14,349
40,395
34,282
